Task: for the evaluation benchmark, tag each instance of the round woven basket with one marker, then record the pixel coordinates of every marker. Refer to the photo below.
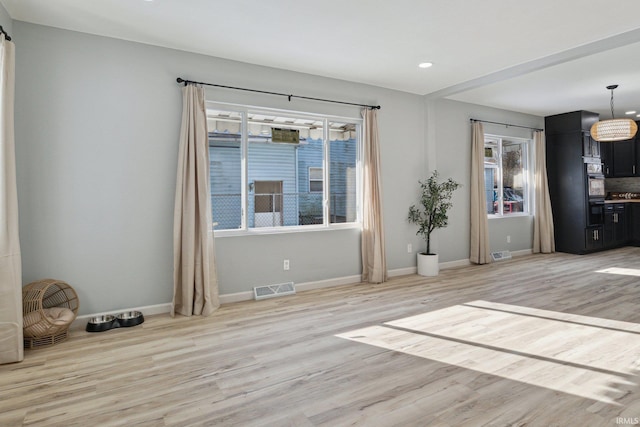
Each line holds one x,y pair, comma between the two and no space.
49,307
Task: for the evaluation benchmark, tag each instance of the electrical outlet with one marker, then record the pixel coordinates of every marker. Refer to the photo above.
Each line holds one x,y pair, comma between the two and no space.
409,248
508,239
285,265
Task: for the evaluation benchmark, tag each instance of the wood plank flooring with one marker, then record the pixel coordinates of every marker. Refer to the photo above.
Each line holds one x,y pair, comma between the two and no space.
541,340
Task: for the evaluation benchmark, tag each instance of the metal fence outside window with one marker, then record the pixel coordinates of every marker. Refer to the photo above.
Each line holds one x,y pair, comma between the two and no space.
280,209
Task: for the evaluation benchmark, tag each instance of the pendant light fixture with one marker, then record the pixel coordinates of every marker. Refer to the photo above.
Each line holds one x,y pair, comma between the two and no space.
614,129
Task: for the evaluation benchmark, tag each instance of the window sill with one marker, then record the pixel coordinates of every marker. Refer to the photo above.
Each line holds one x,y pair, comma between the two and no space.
286,230
511,215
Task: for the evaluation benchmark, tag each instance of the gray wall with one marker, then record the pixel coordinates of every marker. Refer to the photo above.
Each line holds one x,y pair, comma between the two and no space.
97,125
452,132
6,21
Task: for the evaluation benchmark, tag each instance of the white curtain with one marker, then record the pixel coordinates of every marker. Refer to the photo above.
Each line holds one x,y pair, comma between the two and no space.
11,344
543,238
374,261
195,281
479,249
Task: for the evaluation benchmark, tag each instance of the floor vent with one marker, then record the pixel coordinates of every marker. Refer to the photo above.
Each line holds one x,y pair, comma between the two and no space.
270,291
500,255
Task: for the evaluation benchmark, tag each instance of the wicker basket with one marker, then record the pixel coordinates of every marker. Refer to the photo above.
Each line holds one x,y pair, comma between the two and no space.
49,307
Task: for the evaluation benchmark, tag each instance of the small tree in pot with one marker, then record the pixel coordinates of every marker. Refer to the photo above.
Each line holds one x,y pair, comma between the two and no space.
431,213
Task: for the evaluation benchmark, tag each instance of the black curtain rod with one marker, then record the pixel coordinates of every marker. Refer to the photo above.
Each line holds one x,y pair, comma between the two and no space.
186,82
505,124
7,37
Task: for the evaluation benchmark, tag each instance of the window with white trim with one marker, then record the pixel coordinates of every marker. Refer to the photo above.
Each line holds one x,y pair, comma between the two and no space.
316,180
507,175
260,179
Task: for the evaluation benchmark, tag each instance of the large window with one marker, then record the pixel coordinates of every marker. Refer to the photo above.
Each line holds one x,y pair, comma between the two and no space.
282,170
506,175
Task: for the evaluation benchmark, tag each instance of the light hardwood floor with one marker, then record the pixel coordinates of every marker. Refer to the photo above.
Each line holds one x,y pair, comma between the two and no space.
545,340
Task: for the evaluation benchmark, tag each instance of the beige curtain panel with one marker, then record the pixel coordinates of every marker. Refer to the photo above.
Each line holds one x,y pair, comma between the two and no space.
374,261
543,238
479,249
195,281
11,343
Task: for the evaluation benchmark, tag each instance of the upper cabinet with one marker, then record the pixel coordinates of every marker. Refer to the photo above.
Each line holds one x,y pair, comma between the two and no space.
576,122
621,158
590,147
606,156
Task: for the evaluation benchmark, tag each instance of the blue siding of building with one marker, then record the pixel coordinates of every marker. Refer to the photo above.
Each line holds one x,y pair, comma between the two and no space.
273,162
342,155
310,155
226,184
277,162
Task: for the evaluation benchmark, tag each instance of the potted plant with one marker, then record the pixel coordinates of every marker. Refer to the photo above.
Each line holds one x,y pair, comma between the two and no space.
430,214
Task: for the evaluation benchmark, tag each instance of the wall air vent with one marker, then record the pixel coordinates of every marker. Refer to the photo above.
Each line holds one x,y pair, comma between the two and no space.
500,255
287,136
270,291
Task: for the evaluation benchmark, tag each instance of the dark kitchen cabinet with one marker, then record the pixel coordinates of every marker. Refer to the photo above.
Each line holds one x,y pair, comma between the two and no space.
624,157
568,142
594,239
633,226
606,156
621,158
590,147
615,230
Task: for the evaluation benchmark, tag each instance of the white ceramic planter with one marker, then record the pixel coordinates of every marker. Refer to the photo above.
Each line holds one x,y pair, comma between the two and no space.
428,265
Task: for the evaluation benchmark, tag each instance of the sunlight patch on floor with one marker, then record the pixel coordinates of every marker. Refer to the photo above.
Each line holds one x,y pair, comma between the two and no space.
622,271
585,356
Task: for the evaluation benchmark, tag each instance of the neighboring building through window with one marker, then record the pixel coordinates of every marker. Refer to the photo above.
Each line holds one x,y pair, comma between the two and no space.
256,182
506,175
315,180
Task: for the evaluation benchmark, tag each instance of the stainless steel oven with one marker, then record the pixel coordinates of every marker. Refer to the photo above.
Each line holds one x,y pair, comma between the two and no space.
595,181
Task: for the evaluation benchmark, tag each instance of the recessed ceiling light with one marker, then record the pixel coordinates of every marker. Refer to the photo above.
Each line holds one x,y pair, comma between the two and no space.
425,64
630,112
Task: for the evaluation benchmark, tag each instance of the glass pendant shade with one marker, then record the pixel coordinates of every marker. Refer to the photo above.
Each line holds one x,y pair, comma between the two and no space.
614,130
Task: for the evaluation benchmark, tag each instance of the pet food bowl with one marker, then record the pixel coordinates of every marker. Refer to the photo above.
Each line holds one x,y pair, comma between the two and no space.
129,318
101,323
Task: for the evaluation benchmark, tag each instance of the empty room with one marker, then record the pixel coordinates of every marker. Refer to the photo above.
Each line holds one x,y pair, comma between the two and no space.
279,213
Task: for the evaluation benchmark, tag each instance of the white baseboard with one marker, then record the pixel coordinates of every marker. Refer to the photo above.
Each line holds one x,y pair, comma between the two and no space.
306,286
328,283
522,252
453,264
149,310
402,271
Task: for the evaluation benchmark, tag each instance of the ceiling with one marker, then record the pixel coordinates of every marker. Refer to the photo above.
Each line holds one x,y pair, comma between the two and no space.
539,57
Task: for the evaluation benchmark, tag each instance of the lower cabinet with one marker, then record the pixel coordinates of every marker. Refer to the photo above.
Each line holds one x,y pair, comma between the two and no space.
594,238
634,223
615,232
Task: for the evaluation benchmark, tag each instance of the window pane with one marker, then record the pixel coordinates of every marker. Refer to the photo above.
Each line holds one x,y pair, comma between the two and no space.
315,186
492,176
342,172
225,168
490,188
315,174
506,170
288,181
513,177
280,192
316,180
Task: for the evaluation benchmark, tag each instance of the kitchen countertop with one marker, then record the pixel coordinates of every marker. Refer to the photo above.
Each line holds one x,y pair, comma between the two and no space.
622,201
